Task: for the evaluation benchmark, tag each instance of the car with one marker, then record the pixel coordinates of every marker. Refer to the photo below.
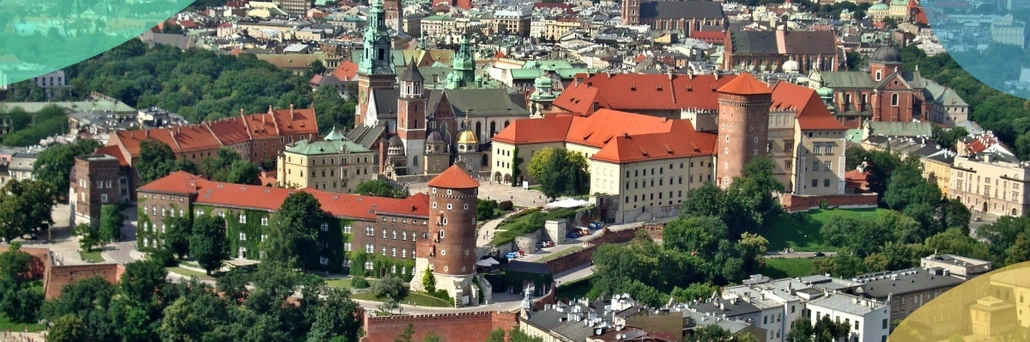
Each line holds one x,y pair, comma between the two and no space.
978,219
819,254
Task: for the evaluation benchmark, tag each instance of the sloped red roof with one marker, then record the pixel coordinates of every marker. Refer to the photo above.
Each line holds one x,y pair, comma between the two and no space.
621,137
745,84
227,131
416,205
810,111
269,198
346,71
453,178
559,5
113,151
641,92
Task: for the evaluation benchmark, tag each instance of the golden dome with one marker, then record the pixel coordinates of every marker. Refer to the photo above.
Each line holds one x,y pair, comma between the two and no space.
467,137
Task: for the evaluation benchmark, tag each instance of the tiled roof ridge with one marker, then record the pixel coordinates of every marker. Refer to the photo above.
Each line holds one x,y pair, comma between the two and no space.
212,131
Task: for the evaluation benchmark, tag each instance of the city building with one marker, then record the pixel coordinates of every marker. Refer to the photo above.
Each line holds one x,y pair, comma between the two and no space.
297,8
614,320
781,50
869,319
681,16
727,120
991,183
98,180
256,137
1007,30
376,236
886,93
333,164
957,266
20,166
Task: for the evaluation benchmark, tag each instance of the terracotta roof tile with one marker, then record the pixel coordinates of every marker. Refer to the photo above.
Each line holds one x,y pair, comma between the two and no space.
416,205
810,111
745,84
641,92
453,178
269,198
554,128
346,71
113,151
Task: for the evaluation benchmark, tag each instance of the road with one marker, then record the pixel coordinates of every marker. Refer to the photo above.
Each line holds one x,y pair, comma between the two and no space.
796,255
575,274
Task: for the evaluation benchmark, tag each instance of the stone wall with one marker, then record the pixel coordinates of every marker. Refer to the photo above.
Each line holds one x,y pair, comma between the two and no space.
584,256
40,262
59,276
801,203
465,326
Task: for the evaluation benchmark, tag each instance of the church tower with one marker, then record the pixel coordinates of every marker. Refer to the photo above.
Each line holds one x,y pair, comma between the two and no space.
449,252
375,70
543,95
469,156
463,72
411,114
394,14
631,12
743,126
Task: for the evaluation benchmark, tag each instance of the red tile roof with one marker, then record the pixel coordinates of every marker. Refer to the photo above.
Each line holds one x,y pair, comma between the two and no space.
745,84
113,151
269,198
454,178
346,71
811,112
641,92
416,205
223,132
621,137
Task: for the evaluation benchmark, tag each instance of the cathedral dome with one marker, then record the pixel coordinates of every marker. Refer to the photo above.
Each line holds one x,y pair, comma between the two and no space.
543,82
886,54
434,138
467,137
791,66
824,92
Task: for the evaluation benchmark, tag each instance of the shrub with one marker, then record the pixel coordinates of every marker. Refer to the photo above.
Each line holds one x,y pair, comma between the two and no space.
359,283
506,206
164,258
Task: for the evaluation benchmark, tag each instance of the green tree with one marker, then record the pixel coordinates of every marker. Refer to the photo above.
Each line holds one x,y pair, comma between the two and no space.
516,168
710,333
564,173
1019,251
89,236
68,328
14,220
844,264
496,335
177,236
517,335
538,161
233,284
699,235
292,238
429,281
486,209
336,318
155,160
432,337
111,220
707,200
142,281
18,300
696,291
219,167
244,172
801,330
389,287
379,188
208,243
947,138
54,164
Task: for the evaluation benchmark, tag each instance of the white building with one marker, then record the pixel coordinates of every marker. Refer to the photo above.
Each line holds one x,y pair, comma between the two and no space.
869,319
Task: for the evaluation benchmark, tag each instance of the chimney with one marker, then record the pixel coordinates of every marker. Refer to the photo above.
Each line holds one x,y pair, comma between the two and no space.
146,133
291,113
241,112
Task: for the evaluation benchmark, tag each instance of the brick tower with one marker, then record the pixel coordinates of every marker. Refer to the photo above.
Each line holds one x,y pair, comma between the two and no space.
631,12
449,252
411,116
375,67
743,125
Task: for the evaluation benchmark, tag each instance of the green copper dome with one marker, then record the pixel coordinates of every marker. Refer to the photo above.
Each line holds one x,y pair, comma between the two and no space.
824,92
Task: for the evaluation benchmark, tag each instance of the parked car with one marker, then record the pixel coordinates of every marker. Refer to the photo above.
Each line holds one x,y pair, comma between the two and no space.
978,218
819,254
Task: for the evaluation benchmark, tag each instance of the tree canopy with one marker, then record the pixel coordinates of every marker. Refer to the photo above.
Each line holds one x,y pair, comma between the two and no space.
292,236
54,164
560,172
380,188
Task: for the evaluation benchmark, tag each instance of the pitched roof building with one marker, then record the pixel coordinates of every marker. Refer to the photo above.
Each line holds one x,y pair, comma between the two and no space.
770,51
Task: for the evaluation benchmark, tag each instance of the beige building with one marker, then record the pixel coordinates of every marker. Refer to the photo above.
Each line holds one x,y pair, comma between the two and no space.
558,27
990,183
642,166
957,266
1007,30
334,164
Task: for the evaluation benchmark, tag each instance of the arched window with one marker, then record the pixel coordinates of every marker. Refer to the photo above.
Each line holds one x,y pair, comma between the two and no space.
894,99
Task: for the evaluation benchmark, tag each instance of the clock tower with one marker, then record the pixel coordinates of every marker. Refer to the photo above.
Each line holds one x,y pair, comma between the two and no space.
375,70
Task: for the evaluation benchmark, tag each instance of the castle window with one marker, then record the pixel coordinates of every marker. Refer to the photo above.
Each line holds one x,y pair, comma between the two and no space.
894,99
441,234
243,218
395,235
325,227
404,254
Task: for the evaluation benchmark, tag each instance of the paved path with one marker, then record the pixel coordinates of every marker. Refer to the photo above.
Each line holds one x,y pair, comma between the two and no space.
500,192
578,273
491,228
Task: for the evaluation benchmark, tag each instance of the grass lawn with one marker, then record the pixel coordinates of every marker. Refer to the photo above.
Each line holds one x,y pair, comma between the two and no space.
560,254
788,268
415,298
93,256
344,283
17,327
189,273
801,231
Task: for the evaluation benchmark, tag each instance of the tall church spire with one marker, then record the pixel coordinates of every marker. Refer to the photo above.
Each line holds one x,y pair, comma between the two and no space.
376,56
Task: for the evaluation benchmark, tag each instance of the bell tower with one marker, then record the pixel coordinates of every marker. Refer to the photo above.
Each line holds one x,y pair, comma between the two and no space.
411,114
743,126
375,70
631,12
